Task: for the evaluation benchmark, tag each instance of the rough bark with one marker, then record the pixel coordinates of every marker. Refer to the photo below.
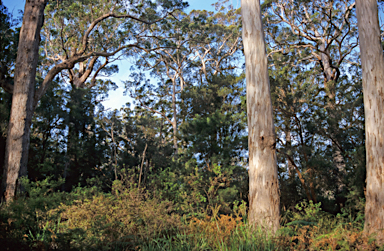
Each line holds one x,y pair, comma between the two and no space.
16,153
264,197
373,86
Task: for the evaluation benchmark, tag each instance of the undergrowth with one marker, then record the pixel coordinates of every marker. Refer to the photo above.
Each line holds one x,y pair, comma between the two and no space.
132,219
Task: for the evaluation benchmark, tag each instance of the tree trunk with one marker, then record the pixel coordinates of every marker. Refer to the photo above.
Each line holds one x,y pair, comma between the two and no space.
373,86
288,146
174,124
331,77
16,155
264,200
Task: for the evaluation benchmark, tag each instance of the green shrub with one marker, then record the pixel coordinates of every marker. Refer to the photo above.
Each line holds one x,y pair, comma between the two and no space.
128,218
25,221
125,219
85,219
310,228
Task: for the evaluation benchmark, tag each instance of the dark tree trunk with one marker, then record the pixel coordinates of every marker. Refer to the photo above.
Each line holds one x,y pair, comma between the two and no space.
174,125
16,153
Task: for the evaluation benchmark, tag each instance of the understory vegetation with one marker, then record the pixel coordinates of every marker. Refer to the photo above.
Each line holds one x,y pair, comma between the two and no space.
129,218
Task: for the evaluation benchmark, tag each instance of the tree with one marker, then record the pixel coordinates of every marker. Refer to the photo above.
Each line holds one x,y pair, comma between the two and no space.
8,48
76,48
316,93
264,200
372,62
193,47
16,154
292,91
215,139
323,36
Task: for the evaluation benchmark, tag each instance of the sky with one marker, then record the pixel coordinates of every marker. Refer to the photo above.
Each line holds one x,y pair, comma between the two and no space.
116,98
194,4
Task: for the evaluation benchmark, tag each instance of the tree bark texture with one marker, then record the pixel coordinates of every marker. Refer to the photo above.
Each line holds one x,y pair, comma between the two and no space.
16,153
264,200
373,86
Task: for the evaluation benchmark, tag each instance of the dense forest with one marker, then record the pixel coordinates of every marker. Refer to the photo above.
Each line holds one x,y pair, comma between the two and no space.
253,128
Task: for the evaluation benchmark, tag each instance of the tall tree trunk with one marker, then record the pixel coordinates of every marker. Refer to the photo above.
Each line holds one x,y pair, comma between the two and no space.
174,124
331,77
291,168
16,153
264,200
373,86
288,146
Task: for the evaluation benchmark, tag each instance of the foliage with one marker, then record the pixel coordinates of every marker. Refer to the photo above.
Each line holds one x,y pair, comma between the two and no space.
127,216
86,219
319,116
130,218
26,220
310,228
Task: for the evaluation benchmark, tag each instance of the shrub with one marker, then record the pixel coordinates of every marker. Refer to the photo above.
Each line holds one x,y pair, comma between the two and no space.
309,228
25,221
85,219
125,218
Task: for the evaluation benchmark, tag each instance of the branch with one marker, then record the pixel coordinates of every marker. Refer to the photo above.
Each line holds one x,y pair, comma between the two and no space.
93,80
160,113
110,15
290,159
70,64
79,82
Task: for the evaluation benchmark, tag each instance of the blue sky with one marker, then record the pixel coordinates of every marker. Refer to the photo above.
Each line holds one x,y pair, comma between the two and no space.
14,5
116,98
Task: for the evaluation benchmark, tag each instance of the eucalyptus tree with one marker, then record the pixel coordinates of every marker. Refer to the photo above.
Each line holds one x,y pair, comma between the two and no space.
191,48
321,132
293,89
322,35
16,153
8,48
47,139
78,49
220,40
168,63
126,138
373,85
264,198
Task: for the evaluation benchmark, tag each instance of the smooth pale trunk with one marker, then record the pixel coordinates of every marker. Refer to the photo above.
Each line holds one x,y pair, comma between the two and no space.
16,153
264,200
373,86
